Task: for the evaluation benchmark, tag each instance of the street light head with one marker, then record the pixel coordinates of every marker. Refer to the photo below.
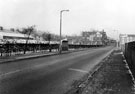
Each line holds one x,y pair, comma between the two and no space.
64,10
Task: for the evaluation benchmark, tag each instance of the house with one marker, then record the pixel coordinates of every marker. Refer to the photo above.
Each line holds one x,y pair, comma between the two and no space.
7,35
94,37
125,38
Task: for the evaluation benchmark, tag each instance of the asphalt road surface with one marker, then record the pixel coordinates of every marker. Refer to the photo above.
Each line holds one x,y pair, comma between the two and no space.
48,75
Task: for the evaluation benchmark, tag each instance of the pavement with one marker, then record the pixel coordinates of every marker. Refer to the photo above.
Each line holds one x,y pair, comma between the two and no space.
30,55
112,77
6,59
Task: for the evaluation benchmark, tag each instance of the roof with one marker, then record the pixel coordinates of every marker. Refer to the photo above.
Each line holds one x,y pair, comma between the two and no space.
131,35
12,34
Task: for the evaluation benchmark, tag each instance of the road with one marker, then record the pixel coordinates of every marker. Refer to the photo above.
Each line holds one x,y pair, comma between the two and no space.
48,75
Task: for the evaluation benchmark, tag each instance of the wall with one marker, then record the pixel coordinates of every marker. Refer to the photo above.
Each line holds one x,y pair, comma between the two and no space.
130,55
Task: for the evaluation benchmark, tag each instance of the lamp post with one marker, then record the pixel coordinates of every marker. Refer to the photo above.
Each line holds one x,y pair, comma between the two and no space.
117,39
60,49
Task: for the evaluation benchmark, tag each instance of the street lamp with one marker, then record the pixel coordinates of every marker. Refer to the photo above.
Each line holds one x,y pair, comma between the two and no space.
60,49
117,39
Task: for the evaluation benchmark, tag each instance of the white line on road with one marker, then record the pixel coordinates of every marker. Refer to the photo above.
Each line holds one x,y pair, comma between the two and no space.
8,73
21,70
25,69
78,70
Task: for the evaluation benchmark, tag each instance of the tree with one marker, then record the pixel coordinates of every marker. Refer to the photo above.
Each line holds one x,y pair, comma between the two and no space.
47,37
12,29
28,31
1,28
18,30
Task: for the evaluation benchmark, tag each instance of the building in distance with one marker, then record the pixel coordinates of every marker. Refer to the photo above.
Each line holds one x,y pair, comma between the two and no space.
94,37
125,38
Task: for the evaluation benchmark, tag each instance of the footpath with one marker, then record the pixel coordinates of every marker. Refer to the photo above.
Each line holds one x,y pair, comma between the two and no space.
112,77
6,59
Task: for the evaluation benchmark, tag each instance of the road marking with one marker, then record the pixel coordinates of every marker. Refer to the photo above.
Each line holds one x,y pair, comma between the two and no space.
78,70
8,73
24,69
15,71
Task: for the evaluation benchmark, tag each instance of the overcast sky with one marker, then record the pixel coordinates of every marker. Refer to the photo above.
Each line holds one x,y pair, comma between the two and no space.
83,15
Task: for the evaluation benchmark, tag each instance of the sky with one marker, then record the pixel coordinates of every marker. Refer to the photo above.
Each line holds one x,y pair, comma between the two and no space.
114,16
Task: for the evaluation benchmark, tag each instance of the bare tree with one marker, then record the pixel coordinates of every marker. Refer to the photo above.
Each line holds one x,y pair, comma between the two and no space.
47,37
1,28
18,30
28,31
12,29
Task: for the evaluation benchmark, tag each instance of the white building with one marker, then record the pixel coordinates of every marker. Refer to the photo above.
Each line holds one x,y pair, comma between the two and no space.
7,35
125,38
